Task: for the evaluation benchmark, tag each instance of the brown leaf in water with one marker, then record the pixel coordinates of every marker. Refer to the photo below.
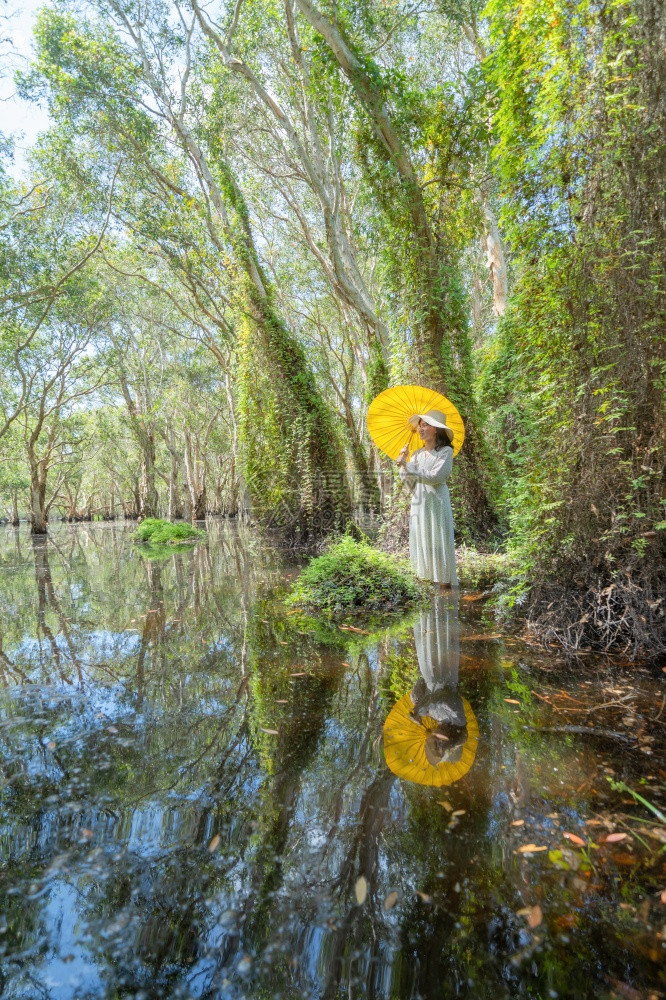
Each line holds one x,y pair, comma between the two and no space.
345,664
299,673
87,834
615,838
214,844
459,812
391,900
424,896
512,701
530,849
535,916
281,701
283,642
473,597
271,732
51,745
575,839
447,805
361,889
518,822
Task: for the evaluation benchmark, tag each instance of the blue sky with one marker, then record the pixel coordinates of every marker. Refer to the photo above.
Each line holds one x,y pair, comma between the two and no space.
19,118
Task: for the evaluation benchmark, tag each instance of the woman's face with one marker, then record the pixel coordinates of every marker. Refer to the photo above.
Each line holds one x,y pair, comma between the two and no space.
427,432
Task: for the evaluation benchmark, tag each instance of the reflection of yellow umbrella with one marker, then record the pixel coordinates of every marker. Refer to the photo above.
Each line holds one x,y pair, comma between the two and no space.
405,747
390,411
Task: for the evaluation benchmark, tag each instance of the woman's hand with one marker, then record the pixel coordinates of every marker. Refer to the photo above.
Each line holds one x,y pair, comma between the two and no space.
403,456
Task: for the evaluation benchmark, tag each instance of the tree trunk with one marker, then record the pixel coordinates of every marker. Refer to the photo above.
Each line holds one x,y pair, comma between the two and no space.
38,501
15,511
149,499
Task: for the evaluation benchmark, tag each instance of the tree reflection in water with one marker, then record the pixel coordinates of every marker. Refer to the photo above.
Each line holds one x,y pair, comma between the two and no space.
193,786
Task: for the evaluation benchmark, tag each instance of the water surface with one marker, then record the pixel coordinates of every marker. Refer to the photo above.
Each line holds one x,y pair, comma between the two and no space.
196,800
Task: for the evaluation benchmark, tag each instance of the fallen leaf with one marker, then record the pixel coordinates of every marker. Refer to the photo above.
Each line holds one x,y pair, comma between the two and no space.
512,701
391,900
299,673
615,838
271,732
518,822
111,729
473,597
87,834
447,805
214,843
361,889
575,839
459,812
535,916
283,642
424,896
346,664
529,849
51,745
281,701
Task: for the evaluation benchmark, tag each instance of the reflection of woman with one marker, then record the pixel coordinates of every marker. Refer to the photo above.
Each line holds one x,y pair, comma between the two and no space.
435,694
431,546
431,734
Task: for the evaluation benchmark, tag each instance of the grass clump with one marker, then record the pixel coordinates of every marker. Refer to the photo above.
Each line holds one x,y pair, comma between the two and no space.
480,570
157,532
353,577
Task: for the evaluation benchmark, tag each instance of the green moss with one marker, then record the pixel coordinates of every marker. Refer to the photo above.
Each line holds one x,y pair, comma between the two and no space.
355,578
154,531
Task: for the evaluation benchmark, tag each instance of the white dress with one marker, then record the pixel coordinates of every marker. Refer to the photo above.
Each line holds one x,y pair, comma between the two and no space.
431,547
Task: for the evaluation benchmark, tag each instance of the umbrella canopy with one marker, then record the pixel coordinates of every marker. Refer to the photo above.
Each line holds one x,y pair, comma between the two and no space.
389,414
405,748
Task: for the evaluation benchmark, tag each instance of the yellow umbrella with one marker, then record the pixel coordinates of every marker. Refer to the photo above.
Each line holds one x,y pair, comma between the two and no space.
405,747
389,414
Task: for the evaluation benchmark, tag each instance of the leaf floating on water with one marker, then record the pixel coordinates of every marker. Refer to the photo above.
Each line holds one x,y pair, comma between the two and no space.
535,916
299,673
530,849
283,642
459,812
111,729
345,664
87,834
518,822
615,838
512,701
271,732
575,839
424,896
281,701
447,805
361,889
473,597
51,745
214,844
391,900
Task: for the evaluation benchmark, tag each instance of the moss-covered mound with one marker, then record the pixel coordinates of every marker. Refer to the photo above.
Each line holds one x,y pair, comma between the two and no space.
156,532
353,577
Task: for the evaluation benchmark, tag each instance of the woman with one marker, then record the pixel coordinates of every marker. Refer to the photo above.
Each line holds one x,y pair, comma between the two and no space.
431,547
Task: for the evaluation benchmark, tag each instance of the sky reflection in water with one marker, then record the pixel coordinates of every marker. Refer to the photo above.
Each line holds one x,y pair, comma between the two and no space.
194,784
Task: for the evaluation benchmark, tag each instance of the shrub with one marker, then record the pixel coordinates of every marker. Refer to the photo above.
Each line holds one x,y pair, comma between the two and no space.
155,531
355,577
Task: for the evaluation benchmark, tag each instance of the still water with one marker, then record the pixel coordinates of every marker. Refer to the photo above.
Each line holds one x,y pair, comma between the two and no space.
203,795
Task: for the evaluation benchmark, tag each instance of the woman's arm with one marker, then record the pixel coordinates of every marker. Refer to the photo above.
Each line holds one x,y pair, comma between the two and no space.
439,473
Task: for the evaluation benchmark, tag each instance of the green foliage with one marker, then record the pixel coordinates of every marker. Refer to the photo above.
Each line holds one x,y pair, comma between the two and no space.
155,531
573,375
353,577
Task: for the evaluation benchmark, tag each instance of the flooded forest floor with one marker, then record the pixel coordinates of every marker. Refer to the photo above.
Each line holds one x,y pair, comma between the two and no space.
205,795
